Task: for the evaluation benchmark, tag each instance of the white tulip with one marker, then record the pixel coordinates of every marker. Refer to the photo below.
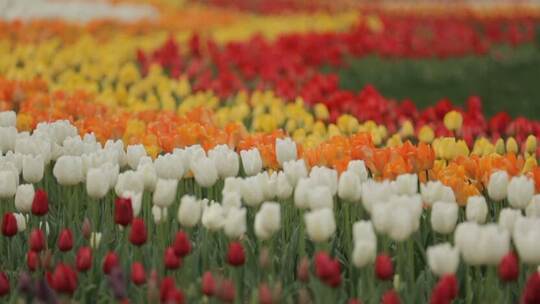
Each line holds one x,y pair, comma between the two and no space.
189,212
406,184
380,218
68,170
95,239
466,237
482,245
349,187
21,221
435,191
526,235
498,185
508,217
267,220
112,171
232,184
205,172
268,184
118,148
285,150
444,217
24,198
251,161
364,252
322,176
533,209
301,193
295,170
252,190
97,185
165,192
320,224
8,183
149,175
136,201
169,166
374,192
134,155
8,139
16,159
159,214
8,119
231,200
476,209
443,259
284,189
191,154
225,160
73,146
363,230
320,197
234,224
520,191
33,168
129,181
358,167
402,224
213,217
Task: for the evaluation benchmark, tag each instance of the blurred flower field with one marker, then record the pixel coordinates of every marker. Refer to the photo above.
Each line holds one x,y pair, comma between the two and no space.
269,152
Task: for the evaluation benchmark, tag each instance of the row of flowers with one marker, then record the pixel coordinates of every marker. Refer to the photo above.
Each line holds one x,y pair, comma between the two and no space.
98,222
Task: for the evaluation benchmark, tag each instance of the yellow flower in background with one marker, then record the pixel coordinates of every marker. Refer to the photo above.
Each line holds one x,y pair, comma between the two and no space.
453,120
530,144
511,145
407,129
499,146
426,134
321,111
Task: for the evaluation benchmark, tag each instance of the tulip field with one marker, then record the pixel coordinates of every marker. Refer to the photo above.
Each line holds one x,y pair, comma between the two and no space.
237,151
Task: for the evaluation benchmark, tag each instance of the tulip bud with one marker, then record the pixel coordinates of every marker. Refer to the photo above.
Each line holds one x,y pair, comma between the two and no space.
446,290
520,191
252,190
285,150
123,211
509,268
284,189
213,217
226,291
160,214
476,209
251,161
8,136
434,191
384,268
86,228
390,297
302,272
138,275
327,269
149,175
189,212
320,224
443,259
166,286
64,279
301,194
40,204
235,223
136,201
530,144
265,295
267,220
110,262
525,236
295,170
349,187
68,170
169,166
65,240
320,197
426,134
531,292
225,160
8,183
37,240
204,171
138,234
511,145
95,239
24,197
33,168
208,284
96,185
165,192
134,155
21,222
508,217
83,260
453,120
32,260
444,217
182,244
129,181
498,185
4,284
171,260
235,254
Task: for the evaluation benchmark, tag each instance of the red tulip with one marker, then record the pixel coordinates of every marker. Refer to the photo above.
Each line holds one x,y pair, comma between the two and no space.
175,296
32,260
167,284
327,269
40,204
384,268
265,294
509,268
171,260
182,244
138,275
37,240
138,234
235,254
83,260
390,297
123,211
9,225
445,291
110,262
65,240
208,284
303,270
64,279
4,284
531,293
86,228
354,301
226,291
